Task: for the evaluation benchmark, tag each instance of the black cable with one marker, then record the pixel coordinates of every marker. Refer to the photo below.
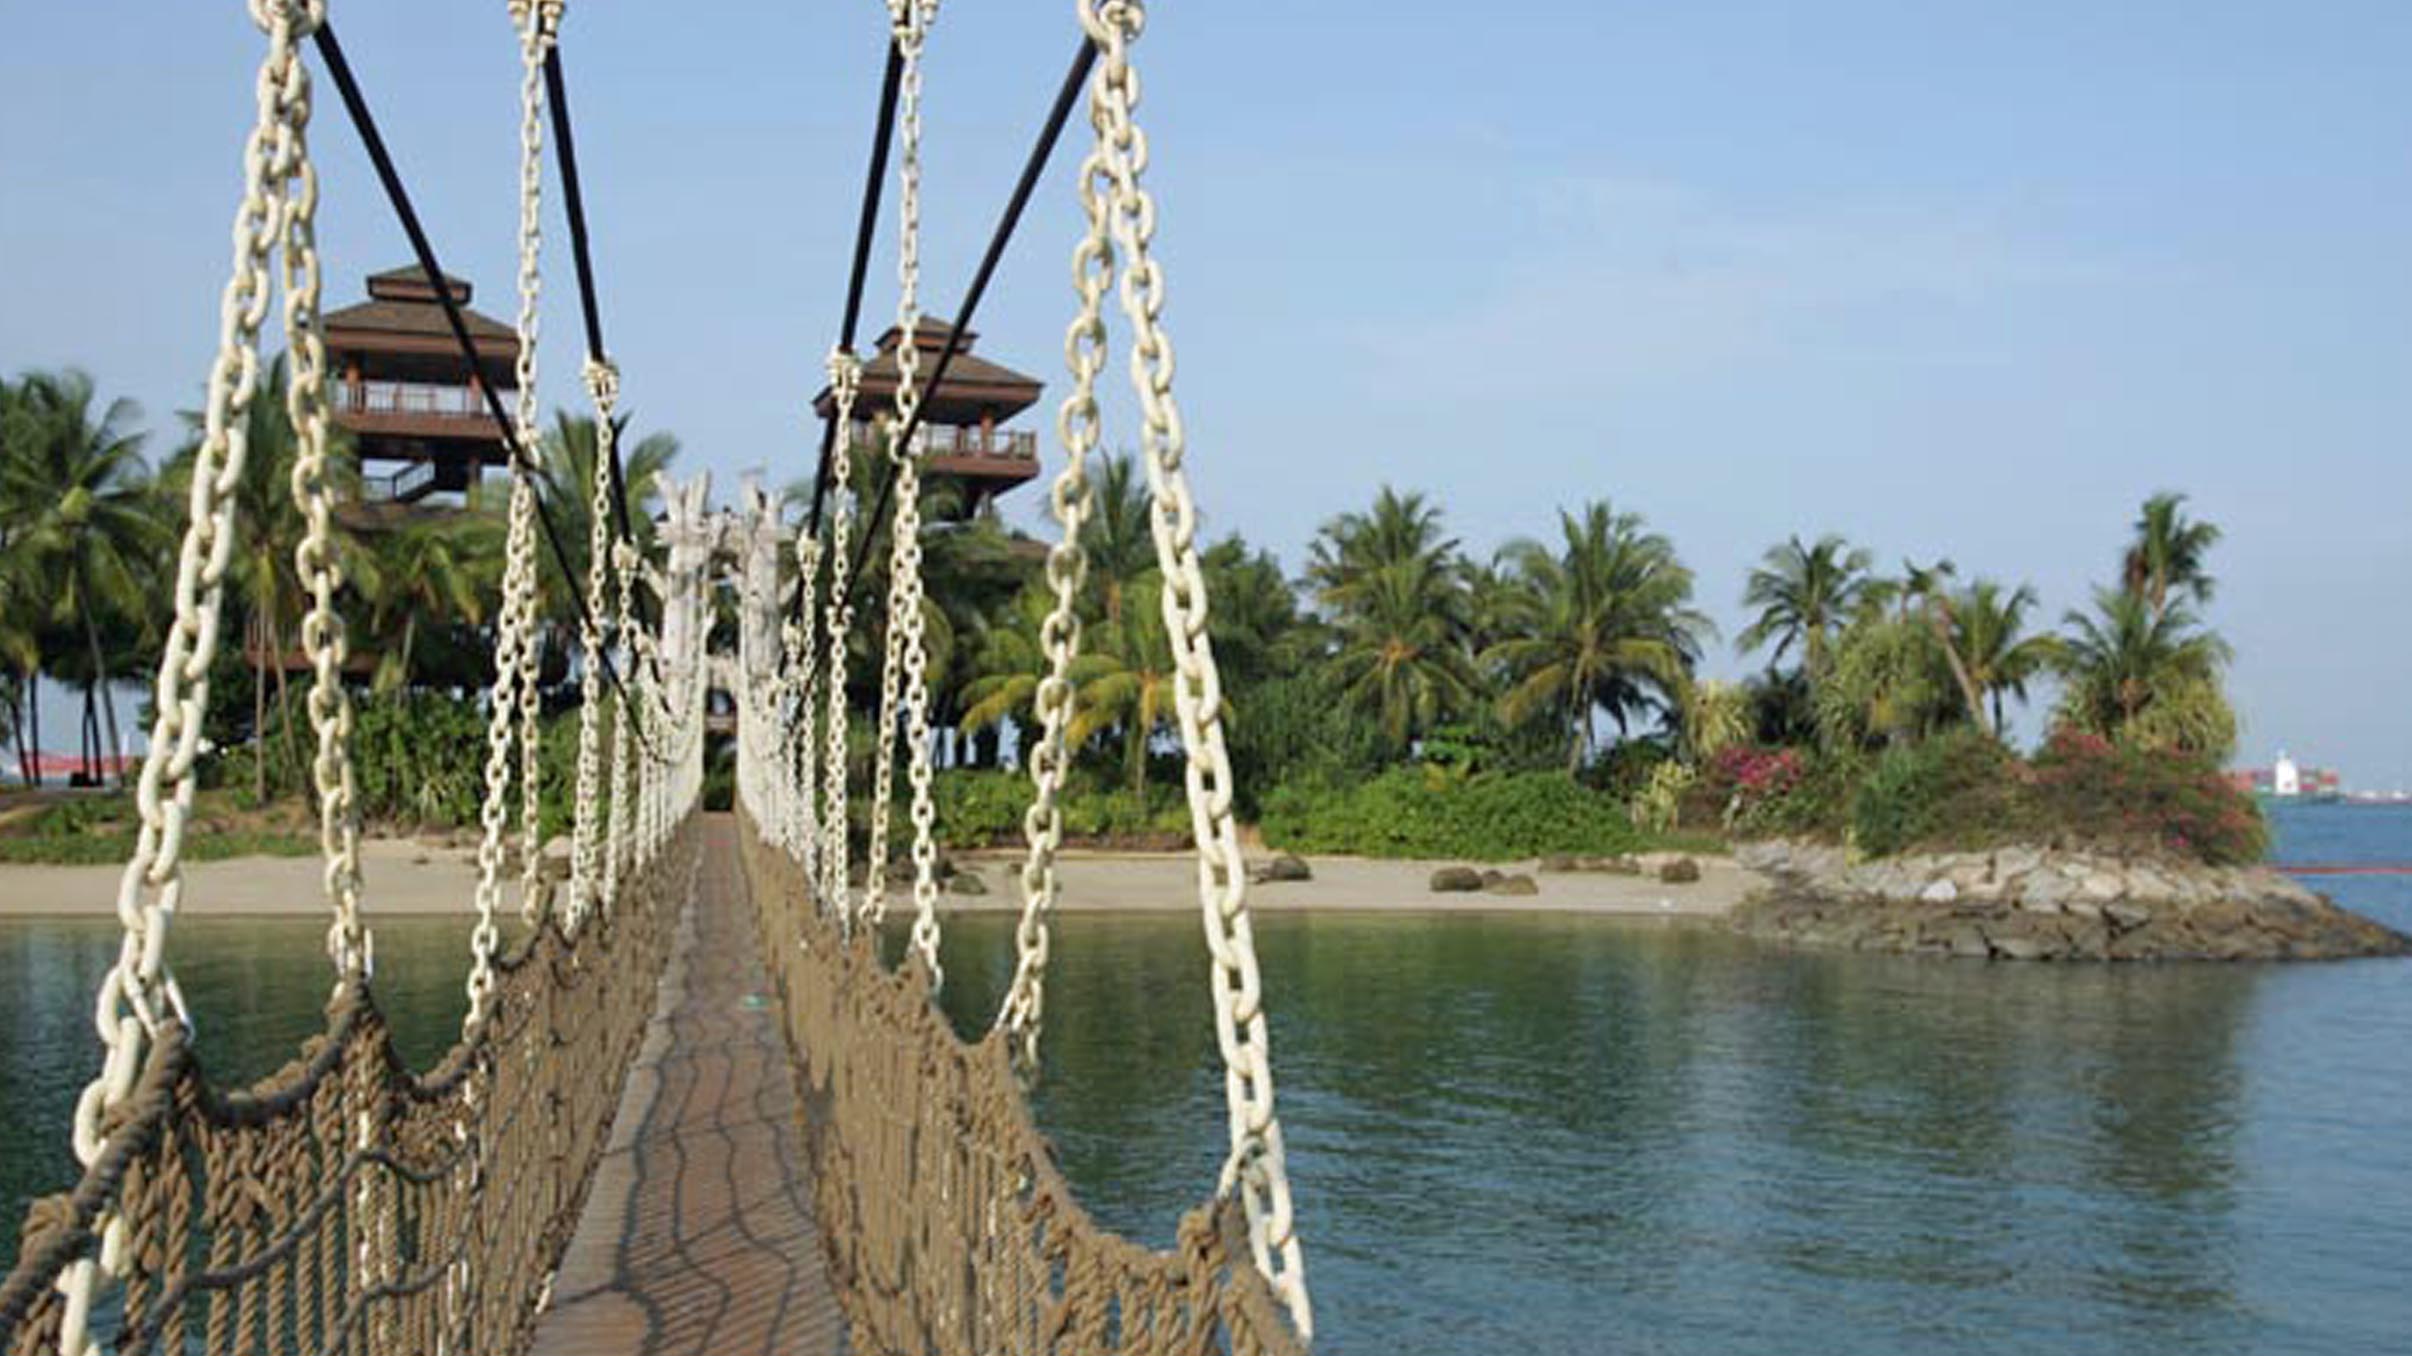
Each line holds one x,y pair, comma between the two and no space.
865,227
565,149
365,123
1032,169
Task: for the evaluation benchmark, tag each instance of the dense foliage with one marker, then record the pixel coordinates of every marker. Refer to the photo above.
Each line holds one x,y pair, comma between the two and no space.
1410,812
1400,695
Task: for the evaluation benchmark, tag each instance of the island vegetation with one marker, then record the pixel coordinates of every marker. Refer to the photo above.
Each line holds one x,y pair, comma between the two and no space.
1398,695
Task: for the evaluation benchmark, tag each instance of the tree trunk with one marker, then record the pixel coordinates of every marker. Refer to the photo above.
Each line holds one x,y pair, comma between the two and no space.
100,676
284,705
33,684
259,713
1938,617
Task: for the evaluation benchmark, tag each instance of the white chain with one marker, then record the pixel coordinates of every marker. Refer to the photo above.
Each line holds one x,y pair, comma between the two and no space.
1059,636
140,995
586,868
624,561
845,381
906,646
536,38
315,560
797,751
515,672
1256,1166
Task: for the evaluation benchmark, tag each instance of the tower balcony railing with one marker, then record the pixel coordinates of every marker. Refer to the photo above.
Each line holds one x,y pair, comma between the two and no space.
422,399
970,440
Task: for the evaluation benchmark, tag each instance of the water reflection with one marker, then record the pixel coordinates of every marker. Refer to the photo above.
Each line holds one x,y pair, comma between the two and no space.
1572,1135
1648,1130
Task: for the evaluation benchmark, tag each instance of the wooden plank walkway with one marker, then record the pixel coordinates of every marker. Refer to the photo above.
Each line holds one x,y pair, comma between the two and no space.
698,1236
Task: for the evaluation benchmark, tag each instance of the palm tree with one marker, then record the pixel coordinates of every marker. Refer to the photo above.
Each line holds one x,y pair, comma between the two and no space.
1126,681
2166,559
428,572
1990,629
1254,619
1007,665
1118,534
2128,656
1604,623
1395,587
1926,588
75,500
566,485
1402,658
1805,596
267,525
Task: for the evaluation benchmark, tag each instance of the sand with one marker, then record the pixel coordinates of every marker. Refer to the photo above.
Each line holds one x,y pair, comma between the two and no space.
406,877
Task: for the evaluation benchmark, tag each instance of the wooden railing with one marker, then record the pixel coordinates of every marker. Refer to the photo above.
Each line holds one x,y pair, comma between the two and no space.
948,440
424,399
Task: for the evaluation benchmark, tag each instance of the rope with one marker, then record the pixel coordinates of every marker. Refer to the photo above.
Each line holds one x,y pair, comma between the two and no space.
1256,1166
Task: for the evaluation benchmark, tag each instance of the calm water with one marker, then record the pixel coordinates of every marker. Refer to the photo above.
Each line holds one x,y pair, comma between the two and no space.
1570,1135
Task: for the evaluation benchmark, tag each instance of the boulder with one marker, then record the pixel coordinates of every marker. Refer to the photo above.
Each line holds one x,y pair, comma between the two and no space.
1518,885
1561,862
1944,891
1456,880
1680,871
1286,867
966,883
2126,914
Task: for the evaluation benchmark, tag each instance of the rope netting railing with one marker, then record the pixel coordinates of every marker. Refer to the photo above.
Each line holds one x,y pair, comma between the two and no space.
948,1227
346,1203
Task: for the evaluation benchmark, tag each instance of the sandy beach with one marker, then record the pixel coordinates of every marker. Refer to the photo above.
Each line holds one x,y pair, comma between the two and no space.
406,877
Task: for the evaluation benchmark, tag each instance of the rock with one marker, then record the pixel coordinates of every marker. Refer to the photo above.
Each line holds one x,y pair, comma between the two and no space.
1967,942
2020,948
1518,885
2126,914
1615,866
1680,871
1492,876
1561,862
1285,867
1943,891
2101,886
966,883
1456,880
2042,892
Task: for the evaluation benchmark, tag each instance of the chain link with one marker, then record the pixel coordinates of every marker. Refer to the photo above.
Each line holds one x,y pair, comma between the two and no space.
586,847
1256,1167
315,559
845,383
1071,501
139,994
513,702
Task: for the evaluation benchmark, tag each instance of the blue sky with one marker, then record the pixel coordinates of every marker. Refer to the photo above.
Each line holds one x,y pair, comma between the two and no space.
1952,279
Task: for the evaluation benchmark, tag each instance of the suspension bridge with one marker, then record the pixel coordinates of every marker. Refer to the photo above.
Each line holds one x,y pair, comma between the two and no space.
620,1153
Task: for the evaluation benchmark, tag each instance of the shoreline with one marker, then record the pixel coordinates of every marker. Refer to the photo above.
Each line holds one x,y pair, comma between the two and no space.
409,878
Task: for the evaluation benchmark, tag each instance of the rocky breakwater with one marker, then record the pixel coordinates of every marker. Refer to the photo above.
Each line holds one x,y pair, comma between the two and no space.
2032,903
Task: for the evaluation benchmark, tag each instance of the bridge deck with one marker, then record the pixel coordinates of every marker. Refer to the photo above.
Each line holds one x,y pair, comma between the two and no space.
699,1234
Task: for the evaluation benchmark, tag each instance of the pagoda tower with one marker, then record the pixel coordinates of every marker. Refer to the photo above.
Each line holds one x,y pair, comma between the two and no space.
413,404
965,444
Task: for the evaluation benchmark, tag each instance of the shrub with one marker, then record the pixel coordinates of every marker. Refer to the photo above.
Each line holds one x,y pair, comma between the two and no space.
1408,812
1957,790
983,808
2148,800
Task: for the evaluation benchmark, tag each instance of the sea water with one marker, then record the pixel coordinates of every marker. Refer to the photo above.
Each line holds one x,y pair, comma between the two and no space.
1554,1134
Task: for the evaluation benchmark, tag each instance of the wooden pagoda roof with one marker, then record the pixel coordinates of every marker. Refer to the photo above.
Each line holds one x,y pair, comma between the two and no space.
973,384
403,302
